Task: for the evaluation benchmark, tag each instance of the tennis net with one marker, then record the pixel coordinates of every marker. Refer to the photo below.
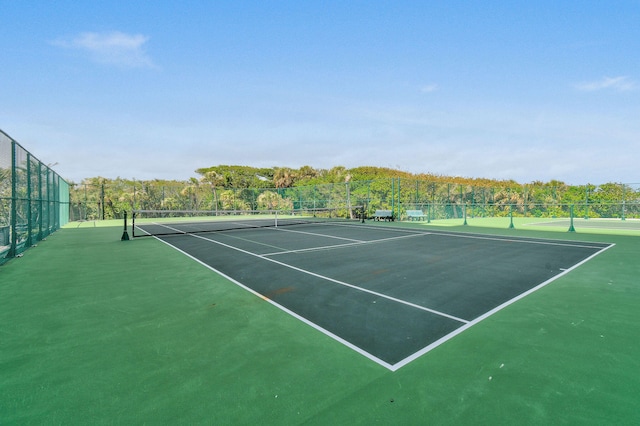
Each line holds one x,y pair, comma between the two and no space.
168,222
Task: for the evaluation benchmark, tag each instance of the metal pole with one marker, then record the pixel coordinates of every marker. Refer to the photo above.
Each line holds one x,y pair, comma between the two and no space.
14,237
102,199
571,228
624,199
511,216
398,199
29,198
393,194
125,234
40,206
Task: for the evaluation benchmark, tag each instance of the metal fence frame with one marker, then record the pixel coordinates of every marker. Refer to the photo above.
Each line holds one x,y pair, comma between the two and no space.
34,200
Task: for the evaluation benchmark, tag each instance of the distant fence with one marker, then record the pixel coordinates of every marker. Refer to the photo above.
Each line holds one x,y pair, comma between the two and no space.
34,200
438,200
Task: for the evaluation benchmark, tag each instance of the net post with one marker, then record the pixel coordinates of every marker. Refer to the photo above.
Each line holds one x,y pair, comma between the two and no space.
465,215
125,234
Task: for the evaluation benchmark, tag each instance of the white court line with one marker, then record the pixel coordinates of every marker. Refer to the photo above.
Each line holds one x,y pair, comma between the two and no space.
524,241
276,228
335,246
417,232
364,290
328,247
519,239
414,356
457,331
290,312
312,249
235,237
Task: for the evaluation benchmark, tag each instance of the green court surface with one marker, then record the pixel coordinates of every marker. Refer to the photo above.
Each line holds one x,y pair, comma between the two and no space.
95,330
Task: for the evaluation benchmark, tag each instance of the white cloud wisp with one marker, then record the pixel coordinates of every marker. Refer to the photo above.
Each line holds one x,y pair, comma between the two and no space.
114,48
618,84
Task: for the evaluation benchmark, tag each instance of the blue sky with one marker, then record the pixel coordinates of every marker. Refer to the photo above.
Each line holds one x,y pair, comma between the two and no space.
530,91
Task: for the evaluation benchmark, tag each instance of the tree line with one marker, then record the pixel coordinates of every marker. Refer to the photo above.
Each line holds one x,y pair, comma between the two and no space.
233,187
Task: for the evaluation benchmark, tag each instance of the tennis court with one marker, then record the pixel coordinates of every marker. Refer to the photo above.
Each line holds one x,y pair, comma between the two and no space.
599,223
390,293
106,332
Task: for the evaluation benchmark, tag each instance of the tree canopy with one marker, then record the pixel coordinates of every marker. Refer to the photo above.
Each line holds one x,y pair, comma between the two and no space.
235,187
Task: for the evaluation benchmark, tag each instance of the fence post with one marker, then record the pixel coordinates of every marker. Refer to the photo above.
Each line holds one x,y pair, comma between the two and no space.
511,216
571,228
102,199
393,194
399,200
46,215
29,205
40,206
14,219
624,200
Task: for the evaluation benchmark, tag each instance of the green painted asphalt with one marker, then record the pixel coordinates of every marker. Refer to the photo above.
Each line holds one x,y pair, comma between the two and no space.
94,330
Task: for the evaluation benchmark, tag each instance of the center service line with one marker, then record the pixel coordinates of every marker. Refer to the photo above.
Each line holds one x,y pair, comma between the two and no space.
384,296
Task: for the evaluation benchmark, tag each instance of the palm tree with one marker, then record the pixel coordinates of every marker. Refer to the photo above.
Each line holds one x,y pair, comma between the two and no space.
191,192
347,179
284,177
214,179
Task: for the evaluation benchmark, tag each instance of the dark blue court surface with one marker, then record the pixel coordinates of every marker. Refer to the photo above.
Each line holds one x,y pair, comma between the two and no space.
390,293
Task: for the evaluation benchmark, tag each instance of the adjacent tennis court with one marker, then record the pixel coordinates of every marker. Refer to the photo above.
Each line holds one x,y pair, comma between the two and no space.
592,223
390,293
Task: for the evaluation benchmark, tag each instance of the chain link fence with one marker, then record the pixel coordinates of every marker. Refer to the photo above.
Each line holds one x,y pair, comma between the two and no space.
34,200
438,200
